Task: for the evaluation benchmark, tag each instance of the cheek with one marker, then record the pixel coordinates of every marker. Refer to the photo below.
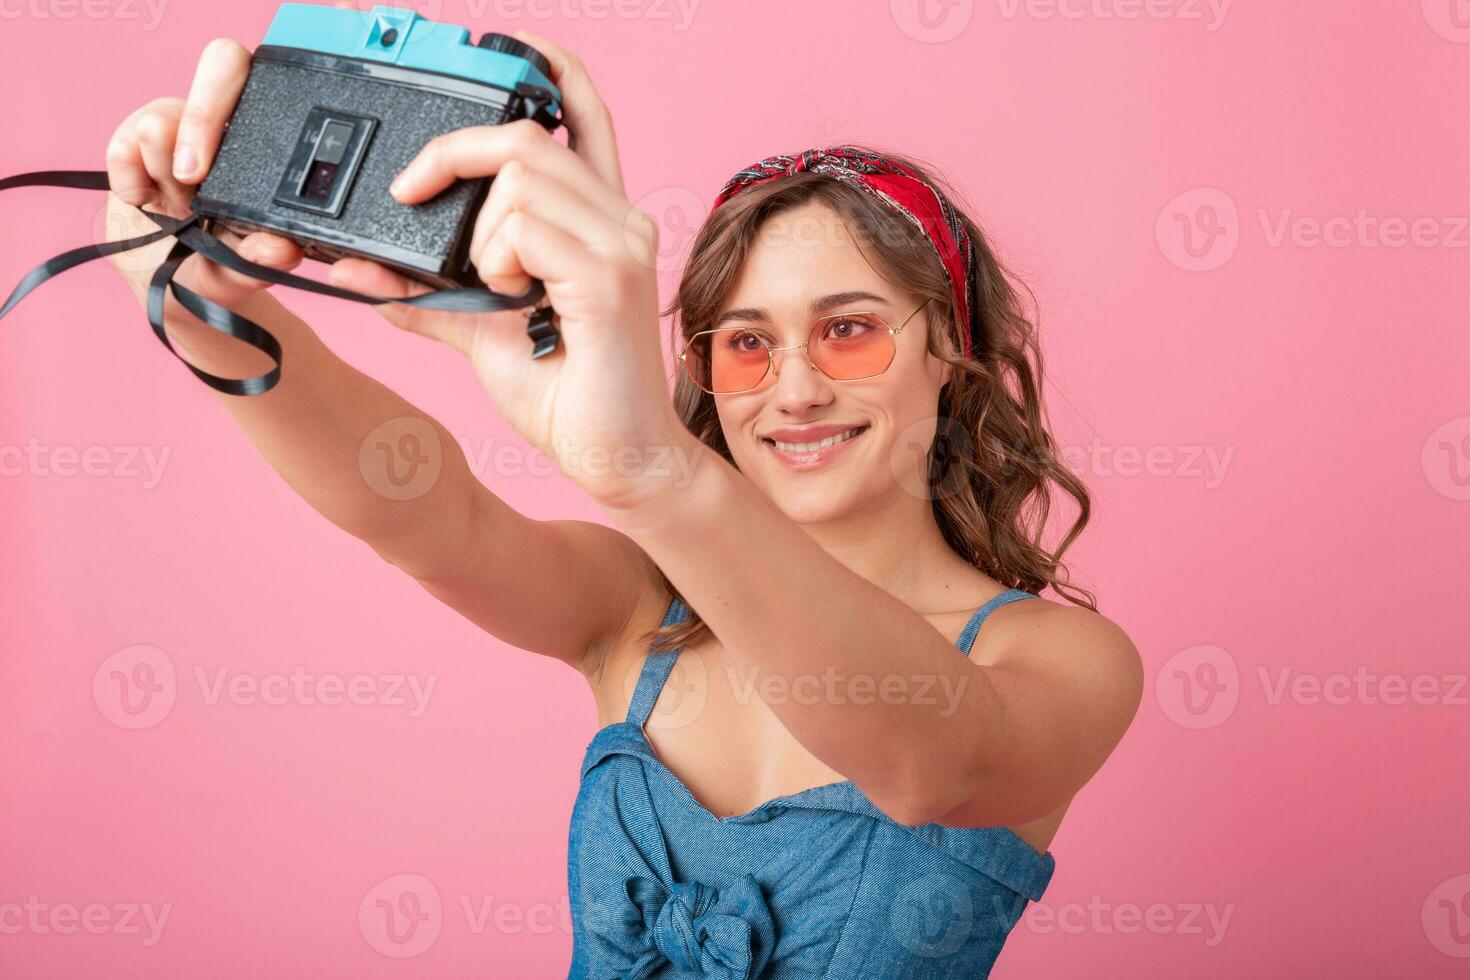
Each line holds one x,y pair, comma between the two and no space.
735,421
912,411
917,394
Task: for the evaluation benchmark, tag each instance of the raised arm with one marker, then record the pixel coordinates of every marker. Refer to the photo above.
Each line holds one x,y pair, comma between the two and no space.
505,572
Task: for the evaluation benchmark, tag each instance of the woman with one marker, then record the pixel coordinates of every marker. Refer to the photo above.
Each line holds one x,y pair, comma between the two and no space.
847,777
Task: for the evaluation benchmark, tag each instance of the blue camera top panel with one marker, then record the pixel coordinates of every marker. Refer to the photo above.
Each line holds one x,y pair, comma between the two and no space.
399,36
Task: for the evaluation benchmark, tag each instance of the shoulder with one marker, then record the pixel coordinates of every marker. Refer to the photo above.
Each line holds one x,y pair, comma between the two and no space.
1068,644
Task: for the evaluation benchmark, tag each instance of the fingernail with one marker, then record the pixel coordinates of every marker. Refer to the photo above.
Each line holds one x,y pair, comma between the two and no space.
399,183
185,162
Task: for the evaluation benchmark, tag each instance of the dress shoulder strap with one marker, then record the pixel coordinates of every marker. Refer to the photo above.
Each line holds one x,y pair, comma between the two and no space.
655,672
967,637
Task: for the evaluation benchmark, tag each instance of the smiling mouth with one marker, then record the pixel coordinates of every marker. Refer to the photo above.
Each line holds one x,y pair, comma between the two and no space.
818,445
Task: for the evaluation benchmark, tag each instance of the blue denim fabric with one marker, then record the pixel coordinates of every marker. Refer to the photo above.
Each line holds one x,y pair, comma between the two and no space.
818,883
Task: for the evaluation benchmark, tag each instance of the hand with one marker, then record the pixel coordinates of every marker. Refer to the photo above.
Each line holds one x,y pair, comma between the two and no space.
156,158
599,406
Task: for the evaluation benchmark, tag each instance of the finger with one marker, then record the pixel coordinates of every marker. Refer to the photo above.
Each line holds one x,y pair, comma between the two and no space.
582,107
262,248
374,279
480,151
218,80
127,175
154,132
526,247
519,188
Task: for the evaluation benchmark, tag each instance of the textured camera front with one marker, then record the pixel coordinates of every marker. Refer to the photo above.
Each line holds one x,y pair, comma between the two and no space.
268,120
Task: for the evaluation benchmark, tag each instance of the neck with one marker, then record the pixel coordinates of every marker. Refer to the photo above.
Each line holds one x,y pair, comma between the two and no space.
899,547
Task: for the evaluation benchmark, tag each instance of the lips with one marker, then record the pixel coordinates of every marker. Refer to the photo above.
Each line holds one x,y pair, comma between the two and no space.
788,441
809,454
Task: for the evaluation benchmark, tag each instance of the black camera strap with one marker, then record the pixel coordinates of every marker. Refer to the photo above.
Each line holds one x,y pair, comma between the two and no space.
192,237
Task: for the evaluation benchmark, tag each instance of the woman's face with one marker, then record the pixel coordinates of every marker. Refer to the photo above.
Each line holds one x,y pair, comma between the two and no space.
801,260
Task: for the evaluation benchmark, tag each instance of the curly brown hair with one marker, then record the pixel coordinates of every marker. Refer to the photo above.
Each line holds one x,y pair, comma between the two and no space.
993,464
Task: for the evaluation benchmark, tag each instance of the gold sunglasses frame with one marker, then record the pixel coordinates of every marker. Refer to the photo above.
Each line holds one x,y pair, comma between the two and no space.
771,366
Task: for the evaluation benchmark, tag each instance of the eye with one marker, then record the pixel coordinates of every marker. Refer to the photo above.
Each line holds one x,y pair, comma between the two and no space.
848,327
741,342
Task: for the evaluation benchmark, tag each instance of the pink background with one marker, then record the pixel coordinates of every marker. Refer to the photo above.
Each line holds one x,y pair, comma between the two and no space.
1325,545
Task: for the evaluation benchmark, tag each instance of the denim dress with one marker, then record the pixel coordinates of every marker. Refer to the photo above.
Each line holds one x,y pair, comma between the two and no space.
819,883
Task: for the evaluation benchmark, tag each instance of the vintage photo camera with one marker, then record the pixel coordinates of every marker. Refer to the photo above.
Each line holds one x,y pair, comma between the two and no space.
339,101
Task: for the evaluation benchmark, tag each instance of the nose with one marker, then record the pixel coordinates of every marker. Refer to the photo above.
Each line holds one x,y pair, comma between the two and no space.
798,385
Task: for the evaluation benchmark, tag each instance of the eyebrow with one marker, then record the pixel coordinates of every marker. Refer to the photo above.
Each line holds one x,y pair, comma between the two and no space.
824,304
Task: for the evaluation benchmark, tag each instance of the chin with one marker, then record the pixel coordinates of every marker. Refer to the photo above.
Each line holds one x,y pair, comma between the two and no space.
811,505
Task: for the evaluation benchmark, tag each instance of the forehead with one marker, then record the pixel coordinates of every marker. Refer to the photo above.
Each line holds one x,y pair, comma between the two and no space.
802,252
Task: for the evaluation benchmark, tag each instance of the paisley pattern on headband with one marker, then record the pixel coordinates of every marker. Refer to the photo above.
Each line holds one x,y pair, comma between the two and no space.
900,190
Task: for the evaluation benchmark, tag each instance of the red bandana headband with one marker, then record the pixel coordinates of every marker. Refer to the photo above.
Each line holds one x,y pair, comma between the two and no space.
899,189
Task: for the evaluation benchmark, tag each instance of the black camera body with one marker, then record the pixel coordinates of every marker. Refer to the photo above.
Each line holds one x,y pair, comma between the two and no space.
339,101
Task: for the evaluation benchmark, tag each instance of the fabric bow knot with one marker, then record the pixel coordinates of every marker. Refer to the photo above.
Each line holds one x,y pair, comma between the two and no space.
727,934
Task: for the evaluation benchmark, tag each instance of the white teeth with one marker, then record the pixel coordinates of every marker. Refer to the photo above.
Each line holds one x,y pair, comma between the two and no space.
811,447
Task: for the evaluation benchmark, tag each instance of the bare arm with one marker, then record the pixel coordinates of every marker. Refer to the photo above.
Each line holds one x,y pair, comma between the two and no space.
997,740
507,573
